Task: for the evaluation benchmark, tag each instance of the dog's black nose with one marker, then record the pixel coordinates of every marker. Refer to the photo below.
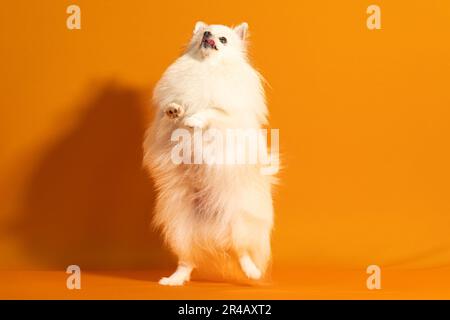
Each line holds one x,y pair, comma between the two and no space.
207,34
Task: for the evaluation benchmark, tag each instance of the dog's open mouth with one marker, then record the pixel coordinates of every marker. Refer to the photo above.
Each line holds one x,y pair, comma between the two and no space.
209,43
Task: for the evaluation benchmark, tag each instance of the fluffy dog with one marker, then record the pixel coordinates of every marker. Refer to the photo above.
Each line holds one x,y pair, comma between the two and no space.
210,214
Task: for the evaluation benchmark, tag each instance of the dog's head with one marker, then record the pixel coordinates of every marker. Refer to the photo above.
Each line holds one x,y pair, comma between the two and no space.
218,40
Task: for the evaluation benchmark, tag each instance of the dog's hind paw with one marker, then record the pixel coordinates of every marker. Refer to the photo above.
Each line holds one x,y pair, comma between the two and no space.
249,268
172,281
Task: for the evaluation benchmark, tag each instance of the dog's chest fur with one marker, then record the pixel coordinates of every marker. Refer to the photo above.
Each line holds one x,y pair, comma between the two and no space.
198,85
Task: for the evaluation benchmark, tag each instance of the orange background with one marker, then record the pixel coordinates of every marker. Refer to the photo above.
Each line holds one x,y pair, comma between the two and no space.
363,116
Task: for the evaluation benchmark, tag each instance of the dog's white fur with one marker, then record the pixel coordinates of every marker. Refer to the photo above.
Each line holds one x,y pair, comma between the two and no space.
209,213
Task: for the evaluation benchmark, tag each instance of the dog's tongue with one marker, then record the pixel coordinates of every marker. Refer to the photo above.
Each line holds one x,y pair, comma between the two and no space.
211,42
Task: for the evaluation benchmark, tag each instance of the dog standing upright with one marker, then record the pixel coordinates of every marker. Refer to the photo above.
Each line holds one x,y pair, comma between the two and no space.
210,212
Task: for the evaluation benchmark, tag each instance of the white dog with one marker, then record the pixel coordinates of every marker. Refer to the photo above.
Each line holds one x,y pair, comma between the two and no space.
210,214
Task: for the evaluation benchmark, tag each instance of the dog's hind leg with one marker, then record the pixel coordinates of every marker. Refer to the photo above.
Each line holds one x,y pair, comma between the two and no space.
249,267
251,241
180,243
179,277
174,217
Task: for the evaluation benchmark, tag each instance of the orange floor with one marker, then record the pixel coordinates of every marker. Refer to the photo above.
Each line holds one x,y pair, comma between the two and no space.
286,284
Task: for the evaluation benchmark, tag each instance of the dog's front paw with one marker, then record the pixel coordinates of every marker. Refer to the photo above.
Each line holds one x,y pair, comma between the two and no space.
174,110
194,122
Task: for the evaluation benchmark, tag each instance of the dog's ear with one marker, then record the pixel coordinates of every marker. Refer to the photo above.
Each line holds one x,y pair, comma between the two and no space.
198,26
241,30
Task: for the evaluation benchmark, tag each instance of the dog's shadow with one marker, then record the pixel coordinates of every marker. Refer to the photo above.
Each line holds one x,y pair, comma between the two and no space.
89,201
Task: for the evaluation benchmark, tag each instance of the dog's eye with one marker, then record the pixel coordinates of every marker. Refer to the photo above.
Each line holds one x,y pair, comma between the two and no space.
223,40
